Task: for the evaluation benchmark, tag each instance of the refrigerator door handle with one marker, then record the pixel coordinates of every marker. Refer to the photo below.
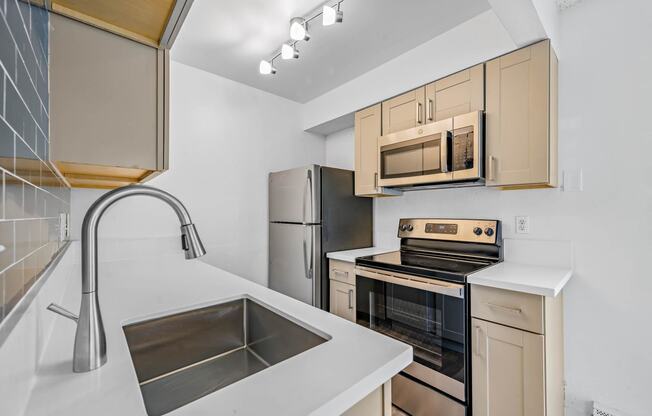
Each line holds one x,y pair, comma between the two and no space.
307,264
307,197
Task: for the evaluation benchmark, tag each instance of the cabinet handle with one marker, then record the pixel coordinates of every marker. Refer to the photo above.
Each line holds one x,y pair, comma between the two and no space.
351,299
490,168
419,109
430,112
376,180
341,273
515,311
476,341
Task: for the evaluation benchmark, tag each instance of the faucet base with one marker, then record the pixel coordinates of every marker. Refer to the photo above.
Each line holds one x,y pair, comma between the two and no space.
90,340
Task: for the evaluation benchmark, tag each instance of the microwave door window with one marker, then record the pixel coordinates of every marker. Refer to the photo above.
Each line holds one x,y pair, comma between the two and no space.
432,157
402,162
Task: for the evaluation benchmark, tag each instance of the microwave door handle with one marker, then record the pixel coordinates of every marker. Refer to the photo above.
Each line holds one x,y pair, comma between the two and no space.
445,150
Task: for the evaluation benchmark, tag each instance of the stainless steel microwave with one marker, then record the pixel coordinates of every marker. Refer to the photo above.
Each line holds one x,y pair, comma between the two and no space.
443,151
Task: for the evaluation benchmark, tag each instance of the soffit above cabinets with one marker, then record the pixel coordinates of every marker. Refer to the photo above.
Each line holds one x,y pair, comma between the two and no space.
151,22
229,38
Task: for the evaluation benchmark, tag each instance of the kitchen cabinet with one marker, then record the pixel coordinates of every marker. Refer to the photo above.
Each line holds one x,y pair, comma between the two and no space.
521,118
454,95
108,106
342,300
404,111
517,353
367,131
153,23
377,403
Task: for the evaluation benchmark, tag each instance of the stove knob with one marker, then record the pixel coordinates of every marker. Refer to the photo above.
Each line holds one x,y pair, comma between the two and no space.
410,227
489,231
477,231
403,227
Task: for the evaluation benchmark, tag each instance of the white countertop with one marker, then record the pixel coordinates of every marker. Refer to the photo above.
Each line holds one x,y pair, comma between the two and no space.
325,380
351,255
534,279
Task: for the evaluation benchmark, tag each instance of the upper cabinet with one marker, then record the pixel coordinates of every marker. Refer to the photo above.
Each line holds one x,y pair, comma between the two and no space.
404,112
367,131
521,118
151,22
454,95
108,106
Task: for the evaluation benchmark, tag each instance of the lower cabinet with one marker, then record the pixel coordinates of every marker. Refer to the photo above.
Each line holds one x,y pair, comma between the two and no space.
377,403
517,362
508,371
342,300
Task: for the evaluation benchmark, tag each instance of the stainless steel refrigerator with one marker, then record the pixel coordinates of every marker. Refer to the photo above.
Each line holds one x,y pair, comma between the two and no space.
312,211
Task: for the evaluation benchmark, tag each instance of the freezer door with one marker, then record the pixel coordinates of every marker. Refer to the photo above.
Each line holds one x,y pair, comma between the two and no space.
294,261
294,195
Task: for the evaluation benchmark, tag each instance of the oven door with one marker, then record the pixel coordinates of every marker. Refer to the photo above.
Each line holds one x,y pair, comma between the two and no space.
428,314
416,156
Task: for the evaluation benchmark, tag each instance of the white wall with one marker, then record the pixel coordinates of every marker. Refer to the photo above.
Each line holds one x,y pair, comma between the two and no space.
225,138
478,39
340,149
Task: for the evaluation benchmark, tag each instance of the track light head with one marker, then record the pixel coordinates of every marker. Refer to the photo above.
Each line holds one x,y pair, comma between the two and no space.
289,51
331,15
299,29
266,68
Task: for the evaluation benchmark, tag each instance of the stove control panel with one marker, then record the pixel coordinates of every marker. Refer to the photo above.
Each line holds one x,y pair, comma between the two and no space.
464,230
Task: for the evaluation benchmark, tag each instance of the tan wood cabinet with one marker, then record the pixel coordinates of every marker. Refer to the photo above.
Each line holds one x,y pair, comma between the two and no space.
404,111
454,95
108,106
368,124
377,403
516,372
342,300
521,118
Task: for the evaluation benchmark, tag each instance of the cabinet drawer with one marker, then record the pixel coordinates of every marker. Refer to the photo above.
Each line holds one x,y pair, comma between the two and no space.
506,307
341,271
342,301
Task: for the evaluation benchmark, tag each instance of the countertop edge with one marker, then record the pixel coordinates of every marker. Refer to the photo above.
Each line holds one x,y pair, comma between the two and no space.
491,278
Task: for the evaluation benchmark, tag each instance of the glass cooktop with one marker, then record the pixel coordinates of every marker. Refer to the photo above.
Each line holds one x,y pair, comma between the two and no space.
424,264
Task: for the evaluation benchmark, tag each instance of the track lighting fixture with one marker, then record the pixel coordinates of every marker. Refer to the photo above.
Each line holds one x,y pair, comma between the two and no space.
266,67
299,29
289,51
331,15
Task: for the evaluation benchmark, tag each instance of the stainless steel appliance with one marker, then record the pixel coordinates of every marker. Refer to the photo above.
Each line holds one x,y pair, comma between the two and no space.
312,210
419,295
443,151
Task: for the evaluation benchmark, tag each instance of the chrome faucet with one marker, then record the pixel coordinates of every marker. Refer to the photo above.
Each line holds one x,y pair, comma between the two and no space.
90,340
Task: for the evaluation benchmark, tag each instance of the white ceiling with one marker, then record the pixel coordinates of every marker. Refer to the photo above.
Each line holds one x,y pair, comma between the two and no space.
230,37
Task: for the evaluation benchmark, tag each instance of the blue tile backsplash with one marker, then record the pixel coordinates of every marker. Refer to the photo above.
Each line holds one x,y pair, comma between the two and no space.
32,196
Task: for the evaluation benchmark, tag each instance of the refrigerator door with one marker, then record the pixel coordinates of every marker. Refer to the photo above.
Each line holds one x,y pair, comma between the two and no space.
294,261
294,195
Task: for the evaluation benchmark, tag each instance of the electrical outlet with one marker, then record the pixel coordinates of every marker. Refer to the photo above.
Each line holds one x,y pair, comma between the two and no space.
602,410
523,224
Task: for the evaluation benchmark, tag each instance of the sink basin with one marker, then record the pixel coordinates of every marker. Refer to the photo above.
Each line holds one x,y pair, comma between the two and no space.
181,357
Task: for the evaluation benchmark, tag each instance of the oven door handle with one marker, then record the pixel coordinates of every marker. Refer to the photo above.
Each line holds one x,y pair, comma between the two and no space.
434,286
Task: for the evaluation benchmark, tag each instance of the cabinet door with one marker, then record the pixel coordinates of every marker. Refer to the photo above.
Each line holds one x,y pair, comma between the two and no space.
521,141
367,131
456,94
108,103
343,300
507,371
405,111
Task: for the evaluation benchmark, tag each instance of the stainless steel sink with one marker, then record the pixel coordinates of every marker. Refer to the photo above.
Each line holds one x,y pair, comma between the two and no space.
182,357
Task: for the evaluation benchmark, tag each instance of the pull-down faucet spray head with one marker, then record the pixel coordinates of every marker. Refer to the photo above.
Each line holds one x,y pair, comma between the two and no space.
191,243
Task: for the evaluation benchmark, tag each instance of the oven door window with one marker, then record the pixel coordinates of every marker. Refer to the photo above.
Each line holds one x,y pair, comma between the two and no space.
432,323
